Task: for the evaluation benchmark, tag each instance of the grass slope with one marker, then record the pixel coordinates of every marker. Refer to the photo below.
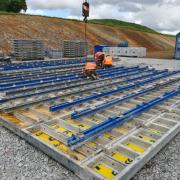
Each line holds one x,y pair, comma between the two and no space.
122,24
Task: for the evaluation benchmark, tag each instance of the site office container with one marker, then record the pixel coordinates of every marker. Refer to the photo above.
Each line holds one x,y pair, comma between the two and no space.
177,49
127,52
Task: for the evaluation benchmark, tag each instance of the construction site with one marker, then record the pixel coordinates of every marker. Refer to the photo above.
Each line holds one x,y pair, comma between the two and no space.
101,116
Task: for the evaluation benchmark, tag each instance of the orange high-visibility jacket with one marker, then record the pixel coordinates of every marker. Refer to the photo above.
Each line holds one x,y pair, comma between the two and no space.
108,60
90,66
97,55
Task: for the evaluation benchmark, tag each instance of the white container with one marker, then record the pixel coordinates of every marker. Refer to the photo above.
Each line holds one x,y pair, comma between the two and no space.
125,51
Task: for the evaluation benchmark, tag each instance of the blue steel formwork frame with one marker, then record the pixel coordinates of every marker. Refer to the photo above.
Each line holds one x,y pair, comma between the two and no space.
110,92
23,77
112,122
37,74
40,64
25,95
90,111
100,72
121,75
11,86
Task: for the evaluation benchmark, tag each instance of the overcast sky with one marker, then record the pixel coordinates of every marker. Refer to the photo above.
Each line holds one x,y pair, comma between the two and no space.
161,15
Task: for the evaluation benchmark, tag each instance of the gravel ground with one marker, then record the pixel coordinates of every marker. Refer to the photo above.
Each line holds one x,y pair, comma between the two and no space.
19,160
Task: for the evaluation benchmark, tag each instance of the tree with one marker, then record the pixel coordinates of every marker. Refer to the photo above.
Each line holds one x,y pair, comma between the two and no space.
13,5
3,5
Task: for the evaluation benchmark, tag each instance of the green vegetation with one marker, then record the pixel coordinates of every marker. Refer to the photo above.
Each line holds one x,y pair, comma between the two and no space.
13,5
122,24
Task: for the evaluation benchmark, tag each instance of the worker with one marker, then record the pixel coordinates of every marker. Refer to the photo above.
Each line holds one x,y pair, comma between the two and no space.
108,62
99,58
89,70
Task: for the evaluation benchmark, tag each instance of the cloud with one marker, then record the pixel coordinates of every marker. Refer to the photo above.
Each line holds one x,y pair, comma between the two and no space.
38,11
161,15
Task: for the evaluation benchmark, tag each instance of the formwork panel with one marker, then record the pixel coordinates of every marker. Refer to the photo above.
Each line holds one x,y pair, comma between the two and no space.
47,118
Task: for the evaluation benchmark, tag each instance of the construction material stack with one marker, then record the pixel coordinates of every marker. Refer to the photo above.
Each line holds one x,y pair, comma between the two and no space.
73,49
1,56
28,49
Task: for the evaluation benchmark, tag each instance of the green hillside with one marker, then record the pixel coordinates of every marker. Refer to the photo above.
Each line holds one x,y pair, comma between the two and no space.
122,24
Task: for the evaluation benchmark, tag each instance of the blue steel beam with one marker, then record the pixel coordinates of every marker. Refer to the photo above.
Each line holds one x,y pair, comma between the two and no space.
38,74
113,122
58,83
37,67
56,88
20,66
103,94
69,78
102,73
37,77
90,111
23,76
24,82
44,68
40,64
122,75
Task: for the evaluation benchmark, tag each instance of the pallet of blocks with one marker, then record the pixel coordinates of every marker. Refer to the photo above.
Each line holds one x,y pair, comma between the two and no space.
28,49
72,49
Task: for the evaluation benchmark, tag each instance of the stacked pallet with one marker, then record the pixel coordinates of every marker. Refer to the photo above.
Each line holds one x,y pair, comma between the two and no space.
28,49
72,49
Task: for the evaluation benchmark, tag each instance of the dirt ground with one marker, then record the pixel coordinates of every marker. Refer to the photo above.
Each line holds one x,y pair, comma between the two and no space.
54,30
168,54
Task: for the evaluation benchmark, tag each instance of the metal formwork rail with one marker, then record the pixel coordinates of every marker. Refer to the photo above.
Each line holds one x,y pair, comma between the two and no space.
112,122
49,68
24,82
121,150
11,86
110,92
39,64
76,82
67,85
126,97
40,74
27,104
